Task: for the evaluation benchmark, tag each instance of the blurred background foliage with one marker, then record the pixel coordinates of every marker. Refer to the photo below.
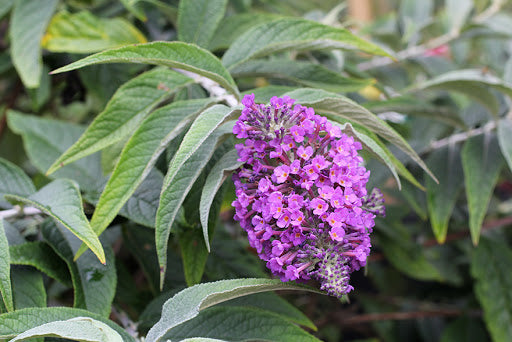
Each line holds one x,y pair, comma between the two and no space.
440,264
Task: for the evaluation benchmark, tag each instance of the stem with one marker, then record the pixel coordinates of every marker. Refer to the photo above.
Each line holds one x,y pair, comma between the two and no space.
19,211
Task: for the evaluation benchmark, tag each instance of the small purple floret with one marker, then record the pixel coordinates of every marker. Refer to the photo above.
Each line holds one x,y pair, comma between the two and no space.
301,194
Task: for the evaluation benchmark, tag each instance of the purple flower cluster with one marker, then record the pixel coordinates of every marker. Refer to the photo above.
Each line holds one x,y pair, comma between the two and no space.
301,194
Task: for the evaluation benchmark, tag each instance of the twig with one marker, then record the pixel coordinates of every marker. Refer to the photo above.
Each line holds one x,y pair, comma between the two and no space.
459,137
19,211
126,322
212,87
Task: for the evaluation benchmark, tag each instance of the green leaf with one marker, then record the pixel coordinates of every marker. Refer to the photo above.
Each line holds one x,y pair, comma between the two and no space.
333,105
13,181
61,200
233,26
490,266
216,177
183,170
457,12
5,270
482,163
188,303
83,32
139,156
240,324
94,283
471,82
198,20
172,54
293,33
465,329
28,288
505,139
194,254
45,140
414,106
28,22
15,323
441,198
79,329
41,256
270,301
304,73
133,6
5,6
124,112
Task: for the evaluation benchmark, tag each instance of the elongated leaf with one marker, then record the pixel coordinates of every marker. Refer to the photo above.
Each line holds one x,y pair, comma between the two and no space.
5,270
15,323
505,139
79,329
127,108
85,33
304,73
334,105
216,177
13,181
198,20
414,106
238,324
139,156
188,303
490,266
293,33
41,256
233,26
473,83
182,173
270,301
482,163
172,54
29,19
94,284
193,253
61,200
28,288
458,11
45,140
441,198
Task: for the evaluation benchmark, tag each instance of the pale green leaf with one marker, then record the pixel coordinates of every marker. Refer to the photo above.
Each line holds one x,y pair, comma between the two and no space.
240,324
5,270
41,256
45,140
83,32
490,266
216,177
233,26
333,105
29,19
441,198
187,304
172,54
13,181
457,12
28,288
184,169
61,200
139,156
15,323
505,139
293,34
198,20
473,83
78,329
482,163
94,283
304,73
135,8
124,112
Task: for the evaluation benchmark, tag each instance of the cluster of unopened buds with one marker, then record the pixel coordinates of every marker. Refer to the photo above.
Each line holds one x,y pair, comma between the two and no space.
301,194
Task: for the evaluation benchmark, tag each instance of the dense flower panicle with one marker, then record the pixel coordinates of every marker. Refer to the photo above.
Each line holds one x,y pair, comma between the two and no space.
301,194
